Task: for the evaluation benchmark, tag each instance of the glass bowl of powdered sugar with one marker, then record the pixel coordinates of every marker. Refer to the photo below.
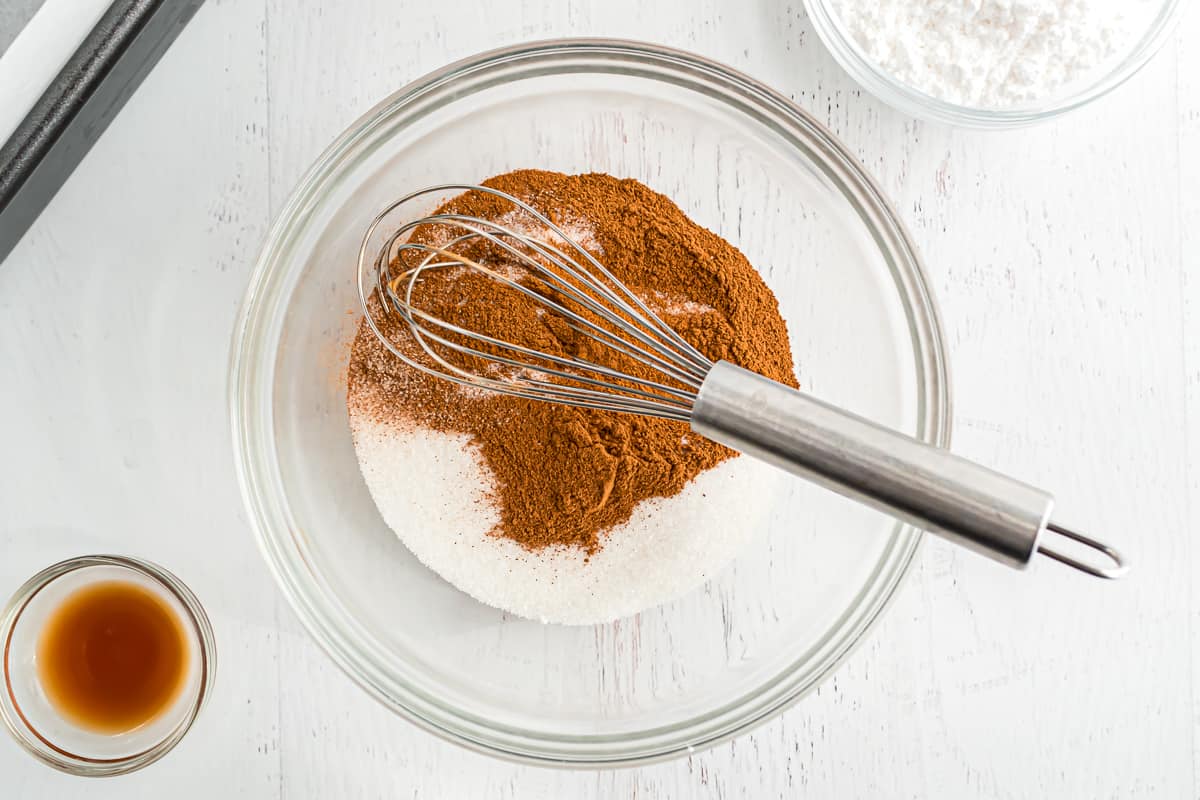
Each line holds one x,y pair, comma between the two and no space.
992,63
704,613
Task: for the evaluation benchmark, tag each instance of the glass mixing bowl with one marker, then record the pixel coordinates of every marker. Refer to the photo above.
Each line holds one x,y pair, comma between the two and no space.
739,159
875,79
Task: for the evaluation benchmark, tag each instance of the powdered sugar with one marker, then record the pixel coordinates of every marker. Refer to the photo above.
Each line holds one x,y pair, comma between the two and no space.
432,490
995,53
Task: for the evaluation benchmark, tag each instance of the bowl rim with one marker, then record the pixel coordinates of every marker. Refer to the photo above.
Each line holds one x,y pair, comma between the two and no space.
339,634
909,100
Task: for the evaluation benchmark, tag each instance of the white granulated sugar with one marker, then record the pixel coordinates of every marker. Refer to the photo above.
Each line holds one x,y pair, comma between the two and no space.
521,222
664,303
995,53
432,491
579,231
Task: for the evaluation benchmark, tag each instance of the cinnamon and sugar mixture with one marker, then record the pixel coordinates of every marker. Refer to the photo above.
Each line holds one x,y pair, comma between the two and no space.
563,476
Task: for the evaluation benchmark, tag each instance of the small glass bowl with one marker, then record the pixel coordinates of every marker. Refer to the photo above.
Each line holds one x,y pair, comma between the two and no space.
32,719
847,52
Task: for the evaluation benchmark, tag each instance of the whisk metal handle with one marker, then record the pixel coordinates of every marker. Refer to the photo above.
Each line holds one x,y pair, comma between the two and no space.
926,486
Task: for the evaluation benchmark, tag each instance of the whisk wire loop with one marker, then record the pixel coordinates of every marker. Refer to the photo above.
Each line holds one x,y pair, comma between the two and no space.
404,305
646,328
605,310
408,310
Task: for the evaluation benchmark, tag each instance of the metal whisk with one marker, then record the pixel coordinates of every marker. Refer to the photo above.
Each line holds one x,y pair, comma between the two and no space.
928,487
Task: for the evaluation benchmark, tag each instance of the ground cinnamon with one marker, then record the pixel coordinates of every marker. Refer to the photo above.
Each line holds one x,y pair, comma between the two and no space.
563,476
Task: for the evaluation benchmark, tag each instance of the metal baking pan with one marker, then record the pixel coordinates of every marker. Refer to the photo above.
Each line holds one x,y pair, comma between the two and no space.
80,101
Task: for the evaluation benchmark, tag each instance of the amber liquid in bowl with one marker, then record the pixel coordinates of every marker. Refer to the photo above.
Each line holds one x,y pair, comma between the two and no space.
112,657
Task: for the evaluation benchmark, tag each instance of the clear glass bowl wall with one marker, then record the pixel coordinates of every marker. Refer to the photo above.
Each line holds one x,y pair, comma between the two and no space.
740,160
825,20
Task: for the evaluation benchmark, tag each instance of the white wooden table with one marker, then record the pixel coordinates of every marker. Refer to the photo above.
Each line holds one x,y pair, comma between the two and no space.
1065,258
